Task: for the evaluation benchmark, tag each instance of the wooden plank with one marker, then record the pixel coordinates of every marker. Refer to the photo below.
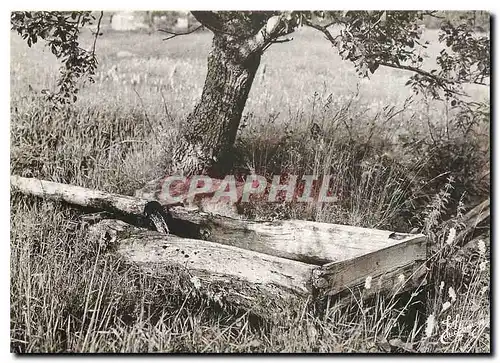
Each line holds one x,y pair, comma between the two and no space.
382,267
311,242
248,279
391,283
306,241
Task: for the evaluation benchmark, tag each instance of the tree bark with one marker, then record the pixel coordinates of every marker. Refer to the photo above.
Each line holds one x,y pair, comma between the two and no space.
239,40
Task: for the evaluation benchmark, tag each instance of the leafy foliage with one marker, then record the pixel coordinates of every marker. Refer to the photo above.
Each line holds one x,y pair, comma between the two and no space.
369,39
60,30
470,60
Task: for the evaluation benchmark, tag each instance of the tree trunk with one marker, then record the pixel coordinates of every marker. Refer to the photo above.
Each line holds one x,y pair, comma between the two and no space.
240,38
210,131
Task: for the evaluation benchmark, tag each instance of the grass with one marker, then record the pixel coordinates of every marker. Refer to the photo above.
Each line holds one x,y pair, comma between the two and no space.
398,163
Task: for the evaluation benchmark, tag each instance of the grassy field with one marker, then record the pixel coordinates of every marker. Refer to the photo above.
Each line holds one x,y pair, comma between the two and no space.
398,163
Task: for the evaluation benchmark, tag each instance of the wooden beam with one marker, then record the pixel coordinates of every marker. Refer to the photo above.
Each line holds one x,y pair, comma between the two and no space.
309,242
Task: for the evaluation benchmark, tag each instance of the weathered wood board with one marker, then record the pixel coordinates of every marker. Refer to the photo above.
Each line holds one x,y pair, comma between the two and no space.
251,280
305,241
386,268
257,265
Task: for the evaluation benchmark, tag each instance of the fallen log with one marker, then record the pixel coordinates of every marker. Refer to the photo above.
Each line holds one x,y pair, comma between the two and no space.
84,197
305,241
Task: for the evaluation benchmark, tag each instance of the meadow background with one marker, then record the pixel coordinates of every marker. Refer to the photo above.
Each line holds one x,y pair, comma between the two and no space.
398,162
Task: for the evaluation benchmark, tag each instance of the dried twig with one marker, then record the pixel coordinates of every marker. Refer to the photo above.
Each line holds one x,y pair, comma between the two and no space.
97,32
276,41
175,34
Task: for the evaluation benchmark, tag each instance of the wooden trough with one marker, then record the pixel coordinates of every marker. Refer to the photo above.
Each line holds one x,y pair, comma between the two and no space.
258,265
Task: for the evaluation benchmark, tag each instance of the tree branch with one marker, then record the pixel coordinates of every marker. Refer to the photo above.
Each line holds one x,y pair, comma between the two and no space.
175,34
323,29
209,20
284,40
276,41
440,81
433,13
97,32
275,27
